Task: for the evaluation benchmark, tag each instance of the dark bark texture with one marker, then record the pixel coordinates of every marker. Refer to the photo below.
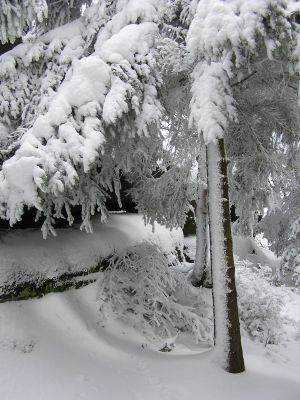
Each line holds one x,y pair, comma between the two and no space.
220,236
200,273
235,355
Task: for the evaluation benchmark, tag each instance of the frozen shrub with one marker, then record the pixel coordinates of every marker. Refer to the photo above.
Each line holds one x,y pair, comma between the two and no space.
260,303
140,288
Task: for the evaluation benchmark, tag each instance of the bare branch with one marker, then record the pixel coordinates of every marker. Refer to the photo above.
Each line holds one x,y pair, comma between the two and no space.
244,79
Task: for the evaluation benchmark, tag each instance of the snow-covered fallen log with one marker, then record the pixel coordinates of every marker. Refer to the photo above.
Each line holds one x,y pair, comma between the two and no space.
31,266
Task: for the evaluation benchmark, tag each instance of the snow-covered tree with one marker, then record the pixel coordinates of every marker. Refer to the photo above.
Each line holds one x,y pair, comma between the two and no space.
202,270
262,141
226,51
79,104
20,17
16,17
183,142
61,12
281,226
225,38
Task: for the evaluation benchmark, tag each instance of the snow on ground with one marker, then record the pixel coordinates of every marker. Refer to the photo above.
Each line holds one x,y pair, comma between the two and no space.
24,253
247,248
244,249
56,348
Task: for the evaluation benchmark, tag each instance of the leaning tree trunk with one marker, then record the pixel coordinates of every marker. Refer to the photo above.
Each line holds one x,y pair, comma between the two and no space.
226,318
199,274
208,274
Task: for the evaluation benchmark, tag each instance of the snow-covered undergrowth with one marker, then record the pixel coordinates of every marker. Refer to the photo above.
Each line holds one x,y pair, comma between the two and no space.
60,347
250,249
143,291
140,288
261,303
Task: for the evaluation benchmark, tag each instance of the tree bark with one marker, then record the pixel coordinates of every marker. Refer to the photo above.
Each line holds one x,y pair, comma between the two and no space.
226,318
208,275
200,267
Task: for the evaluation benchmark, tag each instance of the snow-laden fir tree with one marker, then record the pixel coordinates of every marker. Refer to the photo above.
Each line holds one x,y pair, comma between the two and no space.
225,38
78,105
262,141
20,17
281,226
174,190
16,17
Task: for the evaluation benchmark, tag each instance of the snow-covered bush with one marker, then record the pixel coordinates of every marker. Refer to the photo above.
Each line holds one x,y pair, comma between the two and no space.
140,288
260,303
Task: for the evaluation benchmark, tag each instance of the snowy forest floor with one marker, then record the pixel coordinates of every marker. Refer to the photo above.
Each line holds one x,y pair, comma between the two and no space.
57,348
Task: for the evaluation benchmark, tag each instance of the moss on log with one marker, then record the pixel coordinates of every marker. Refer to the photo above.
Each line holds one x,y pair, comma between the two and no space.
38,288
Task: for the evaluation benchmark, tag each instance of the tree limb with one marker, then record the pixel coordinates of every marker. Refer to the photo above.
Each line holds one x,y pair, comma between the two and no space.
244,79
